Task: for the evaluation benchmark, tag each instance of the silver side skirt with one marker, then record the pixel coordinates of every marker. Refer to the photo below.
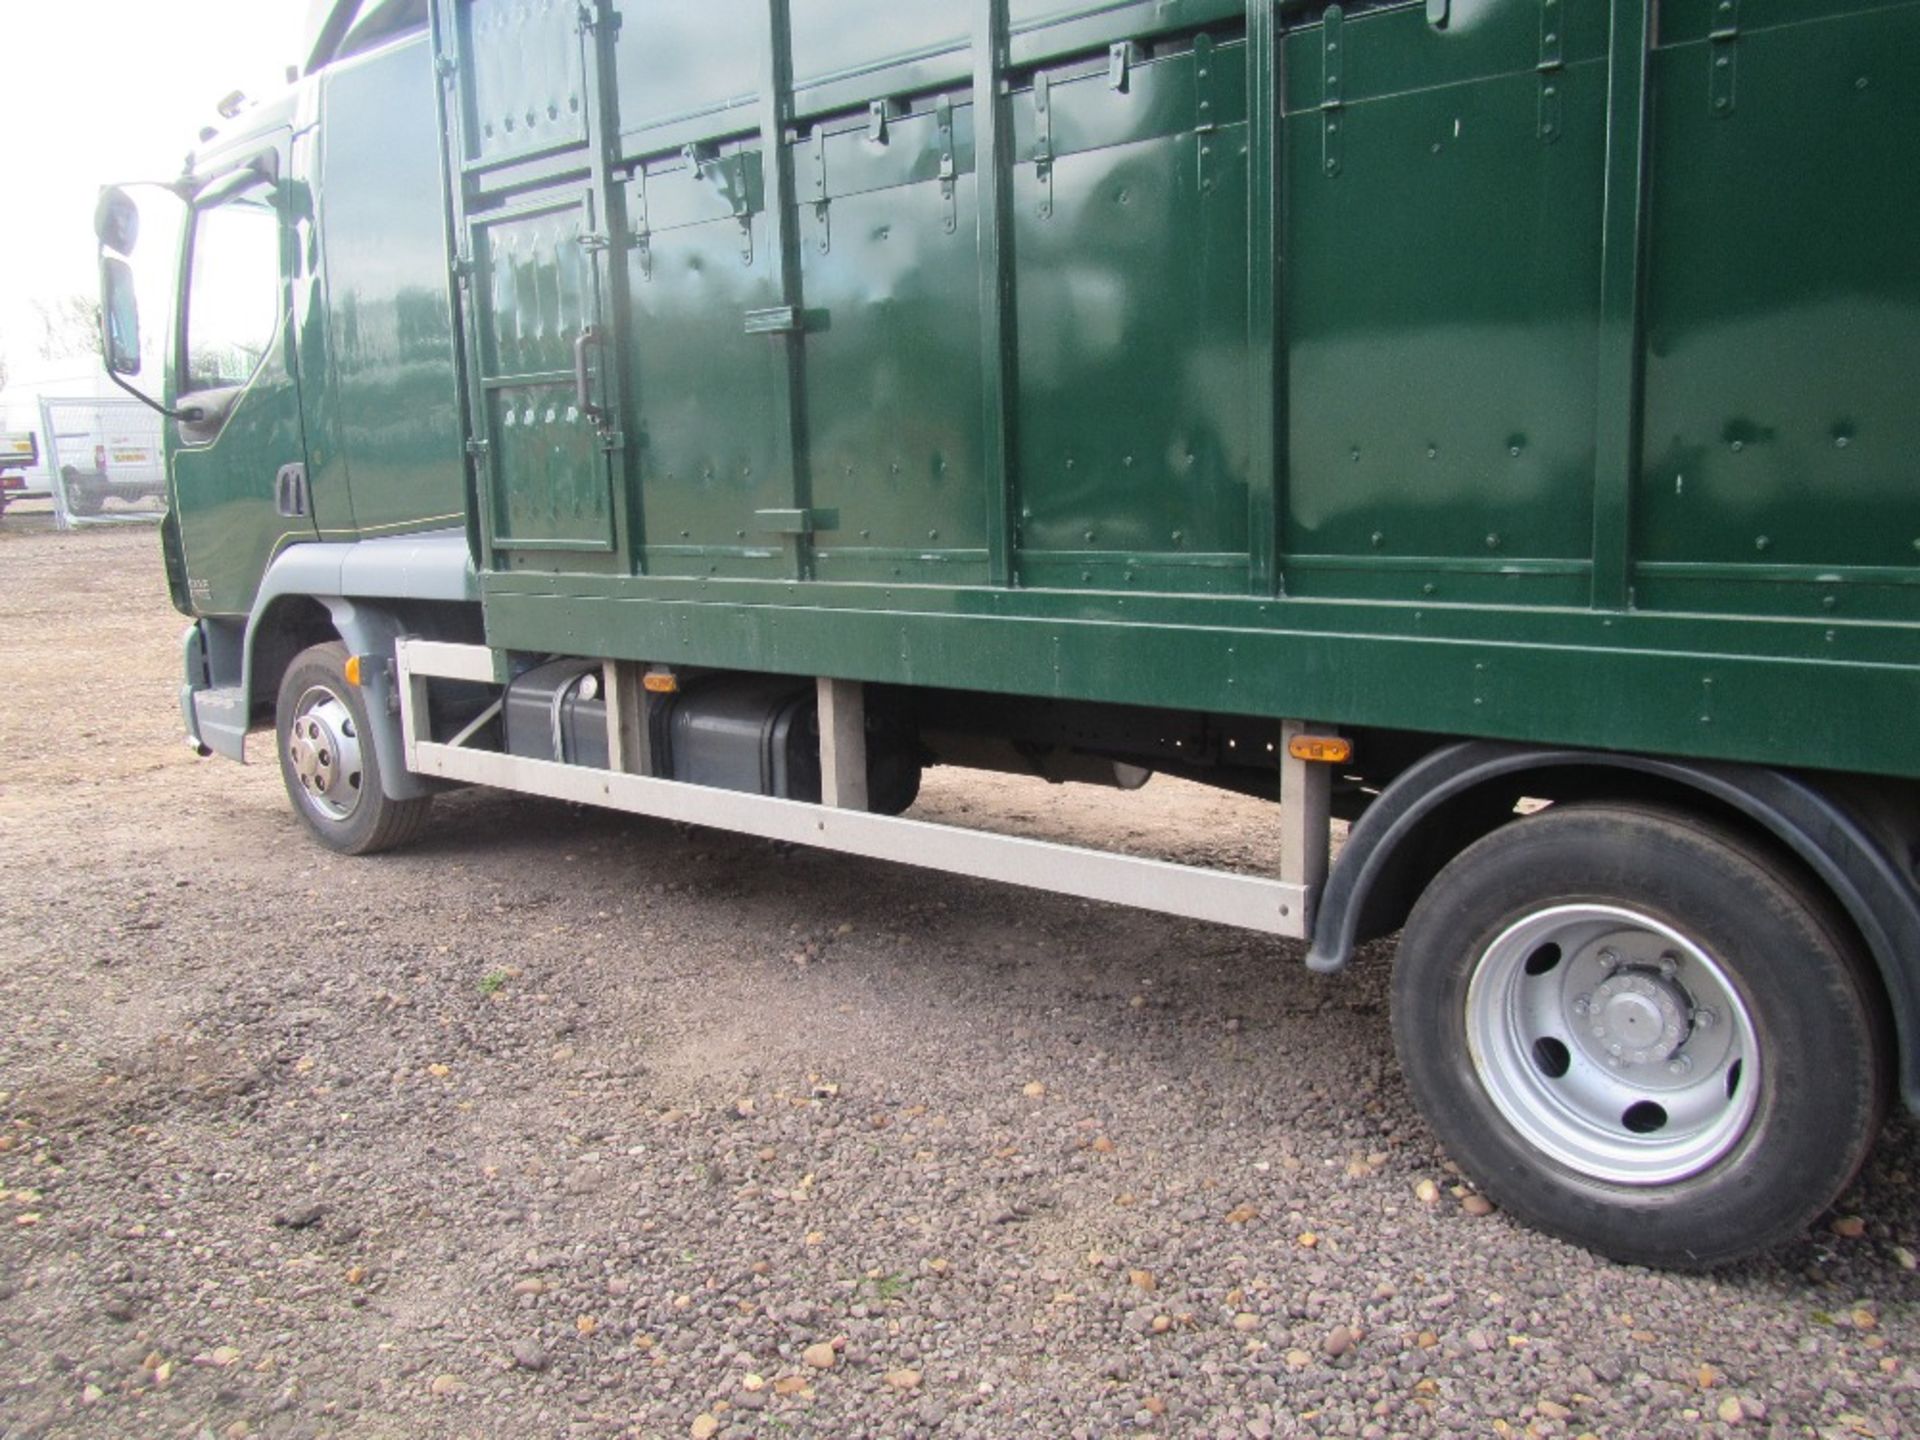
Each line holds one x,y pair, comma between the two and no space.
1251,902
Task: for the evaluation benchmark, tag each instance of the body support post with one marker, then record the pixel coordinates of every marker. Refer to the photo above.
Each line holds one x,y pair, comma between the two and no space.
629,736
1306,794
843,744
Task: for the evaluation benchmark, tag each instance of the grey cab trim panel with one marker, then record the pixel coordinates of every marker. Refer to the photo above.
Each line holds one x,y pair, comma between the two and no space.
1821,832
350,580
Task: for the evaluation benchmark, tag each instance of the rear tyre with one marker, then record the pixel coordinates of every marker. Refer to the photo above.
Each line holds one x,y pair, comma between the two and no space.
83,499
1639,1032
328,762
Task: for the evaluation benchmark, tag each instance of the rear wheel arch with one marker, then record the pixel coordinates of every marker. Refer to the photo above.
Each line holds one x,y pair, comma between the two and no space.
1461,793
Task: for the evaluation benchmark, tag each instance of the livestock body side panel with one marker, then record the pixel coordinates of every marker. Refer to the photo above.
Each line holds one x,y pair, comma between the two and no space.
1531,369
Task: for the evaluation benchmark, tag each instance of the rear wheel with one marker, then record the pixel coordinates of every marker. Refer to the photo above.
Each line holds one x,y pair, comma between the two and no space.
85,497
328,762
1638,1031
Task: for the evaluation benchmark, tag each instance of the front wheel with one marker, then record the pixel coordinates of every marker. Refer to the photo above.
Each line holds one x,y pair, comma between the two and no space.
1638,1031
328,762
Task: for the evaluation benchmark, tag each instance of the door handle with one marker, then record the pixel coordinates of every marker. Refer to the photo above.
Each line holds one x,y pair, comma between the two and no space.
290,492
583,378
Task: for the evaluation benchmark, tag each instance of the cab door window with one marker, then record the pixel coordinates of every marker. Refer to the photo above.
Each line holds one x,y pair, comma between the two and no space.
233,292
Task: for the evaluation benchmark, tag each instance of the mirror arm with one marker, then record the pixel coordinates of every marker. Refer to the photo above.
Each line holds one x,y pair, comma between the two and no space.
192,414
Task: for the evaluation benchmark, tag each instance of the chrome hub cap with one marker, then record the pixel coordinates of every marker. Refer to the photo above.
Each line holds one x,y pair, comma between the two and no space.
323,748
1613,1044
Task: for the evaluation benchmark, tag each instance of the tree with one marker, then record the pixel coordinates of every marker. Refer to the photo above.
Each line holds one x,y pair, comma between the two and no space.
69,327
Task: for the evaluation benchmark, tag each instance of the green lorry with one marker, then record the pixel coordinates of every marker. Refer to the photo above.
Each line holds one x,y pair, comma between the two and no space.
1491,423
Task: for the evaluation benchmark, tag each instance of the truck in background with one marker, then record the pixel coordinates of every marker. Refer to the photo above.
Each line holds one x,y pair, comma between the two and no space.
19,453
1486,421
125,465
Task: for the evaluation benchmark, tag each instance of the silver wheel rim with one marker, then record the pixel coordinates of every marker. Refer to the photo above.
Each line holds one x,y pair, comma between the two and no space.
323,749
1613,1044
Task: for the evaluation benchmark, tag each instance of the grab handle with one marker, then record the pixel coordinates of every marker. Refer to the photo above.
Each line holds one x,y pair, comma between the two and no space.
583,377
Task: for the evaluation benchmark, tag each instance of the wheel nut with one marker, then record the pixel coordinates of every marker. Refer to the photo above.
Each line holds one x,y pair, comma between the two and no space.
1599,1032
1669,965
1680,1065
1704,1019
1582,1004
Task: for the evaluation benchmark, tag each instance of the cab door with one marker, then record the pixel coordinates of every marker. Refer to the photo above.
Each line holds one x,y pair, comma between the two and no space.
238,452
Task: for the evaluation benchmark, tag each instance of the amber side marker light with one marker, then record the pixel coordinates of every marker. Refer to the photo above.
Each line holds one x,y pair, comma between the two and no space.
658,684
1320,749
353,671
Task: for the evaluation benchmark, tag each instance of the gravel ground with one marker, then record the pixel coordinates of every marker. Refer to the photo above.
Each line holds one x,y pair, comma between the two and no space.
561,1124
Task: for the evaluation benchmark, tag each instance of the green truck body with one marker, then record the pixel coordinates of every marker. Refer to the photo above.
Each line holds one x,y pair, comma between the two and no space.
1524,379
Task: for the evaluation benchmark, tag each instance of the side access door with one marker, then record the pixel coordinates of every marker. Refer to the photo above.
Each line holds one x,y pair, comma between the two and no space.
530,200
239,458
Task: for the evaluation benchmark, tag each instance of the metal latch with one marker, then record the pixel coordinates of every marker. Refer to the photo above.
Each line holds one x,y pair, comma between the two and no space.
1438,13
776,320
1121,58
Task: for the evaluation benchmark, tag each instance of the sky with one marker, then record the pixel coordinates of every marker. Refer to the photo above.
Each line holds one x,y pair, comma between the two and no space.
101,91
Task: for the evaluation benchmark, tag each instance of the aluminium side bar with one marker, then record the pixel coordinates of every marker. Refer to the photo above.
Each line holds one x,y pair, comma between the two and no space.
1250,902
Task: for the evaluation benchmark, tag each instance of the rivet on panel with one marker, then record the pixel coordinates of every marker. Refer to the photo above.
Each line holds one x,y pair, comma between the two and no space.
1493,542
1377,539
1763,543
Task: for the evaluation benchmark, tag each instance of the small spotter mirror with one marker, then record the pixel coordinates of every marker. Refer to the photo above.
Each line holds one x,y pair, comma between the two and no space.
116,220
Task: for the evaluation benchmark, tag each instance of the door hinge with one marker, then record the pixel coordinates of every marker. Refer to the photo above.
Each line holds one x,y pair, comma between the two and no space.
949,171
1723,38
1332,91
1043,141
593,244
1206,129
639,231
822,211
1552,67
612,442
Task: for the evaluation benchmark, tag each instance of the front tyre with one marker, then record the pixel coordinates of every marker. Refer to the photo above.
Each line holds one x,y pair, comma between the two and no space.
328,762
1638,1031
